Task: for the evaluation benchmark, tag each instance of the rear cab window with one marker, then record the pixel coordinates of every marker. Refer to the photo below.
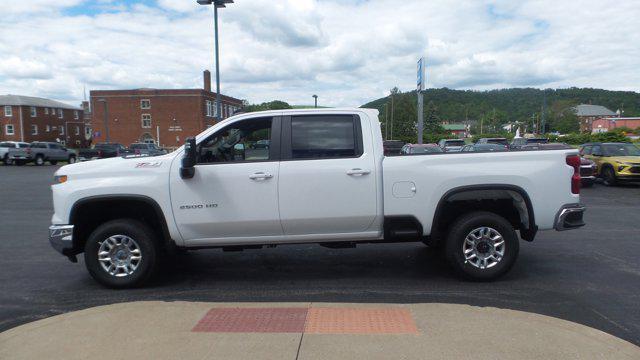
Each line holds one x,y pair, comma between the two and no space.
324,137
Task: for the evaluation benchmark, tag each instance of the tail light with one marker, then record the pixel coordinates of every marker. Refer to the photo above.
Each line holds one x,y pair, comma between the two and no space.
574,161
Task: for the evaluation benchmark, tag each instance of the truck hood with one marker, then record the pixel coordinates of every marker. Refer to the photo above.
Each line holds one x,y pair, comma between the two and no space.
117,166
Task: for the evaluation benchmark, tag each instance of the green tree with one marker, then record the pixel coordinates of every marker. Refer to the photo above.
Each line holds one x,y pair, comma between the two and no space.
432,122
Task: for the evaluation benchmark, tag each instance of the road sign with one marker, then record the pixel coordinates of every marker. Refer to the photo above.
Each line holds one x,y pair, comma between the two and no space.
421,74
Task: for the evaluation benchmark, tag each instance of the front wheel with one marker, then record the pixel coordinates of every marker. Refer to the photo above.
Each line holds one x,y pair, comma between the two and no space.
482,245
121,253
39,160
609,176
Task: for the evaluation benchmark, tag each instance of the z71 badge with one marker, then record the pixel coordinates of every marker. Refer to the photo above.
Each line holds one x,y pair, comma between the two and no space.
154,164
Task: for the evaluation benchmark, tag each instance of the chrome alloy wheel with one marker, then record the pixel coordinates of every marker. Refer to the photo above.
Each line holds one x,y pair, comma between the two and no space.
119,255
483,247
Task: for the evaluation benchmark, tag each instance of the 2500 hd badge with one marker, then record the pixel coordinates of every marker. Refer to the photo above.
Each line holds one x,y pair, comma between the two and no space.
198,206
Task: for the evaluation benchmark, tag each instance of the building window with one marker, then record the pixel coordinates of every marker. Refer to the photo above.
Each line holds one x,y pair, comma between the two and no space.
46,111
8,111
8,129
61,130
34,112
145,104
34,129
208,108
77,130
75,114
146,120
60,113
53,111
87,131
48,128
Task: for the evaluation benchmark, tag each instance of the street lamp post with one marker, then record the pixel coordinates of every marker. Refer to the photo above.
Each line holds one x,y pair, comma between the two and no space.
216,4
315,98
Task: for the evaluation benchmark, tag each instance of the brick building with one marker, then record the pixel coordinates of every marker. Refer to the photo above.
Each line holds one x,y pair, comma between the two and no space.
27,118
587,113
162,116
610,123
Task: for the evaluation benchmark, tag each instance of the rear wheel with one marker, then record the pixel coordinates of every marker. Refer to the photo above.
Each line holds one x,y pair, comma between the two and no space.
481,245
72,159
121,253
7,161
39,160
609,176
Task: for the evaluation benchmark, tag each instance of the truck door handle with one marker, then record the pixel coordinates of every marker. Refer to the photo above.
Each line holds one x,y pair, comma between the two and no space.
260,176
358,172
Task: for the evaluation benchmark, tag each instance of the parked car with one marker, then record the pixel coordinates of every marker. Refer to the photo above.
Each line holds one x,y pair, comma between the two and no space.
40,152
518,143
498,141
617,162
416,149
325,180
483,148
451,145
588,172
4,150
146,149
392,147
545,146
102,151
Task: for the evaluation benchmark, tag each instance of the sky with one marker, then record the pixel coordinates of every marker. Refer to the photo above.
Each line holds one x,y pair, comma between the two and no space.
348,52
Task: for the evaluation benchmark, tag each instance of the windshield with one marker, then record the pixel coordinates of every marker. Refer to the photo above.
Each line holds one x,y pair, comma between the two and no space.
497,141
454,143
621,150
425,150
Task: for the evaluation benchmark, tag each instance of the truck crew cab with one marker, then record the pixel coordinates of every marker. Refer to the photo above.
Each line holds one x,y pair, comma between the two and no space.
308,176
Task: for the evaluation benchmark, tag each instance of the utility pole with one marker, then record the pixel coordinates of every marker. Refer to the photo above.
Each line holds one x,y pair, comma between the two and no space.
392,111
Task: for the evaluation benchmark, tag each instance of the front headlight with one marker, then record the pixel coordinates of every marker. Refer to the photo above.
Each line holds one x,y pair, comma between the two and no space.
59,179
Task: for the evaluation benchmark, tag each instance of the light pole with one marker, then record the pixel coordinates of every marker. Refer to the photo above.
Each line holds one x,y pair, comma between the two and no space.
216,4
315,98
106,121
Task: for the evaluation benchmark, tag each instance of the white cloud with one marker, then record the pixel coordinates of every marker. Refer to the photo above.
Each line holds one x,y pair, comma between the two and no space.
347,52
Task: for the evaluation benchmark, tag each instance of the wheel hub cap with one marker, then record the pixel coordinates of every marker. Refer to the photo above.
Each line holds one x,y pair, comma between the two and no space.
119,255
483,247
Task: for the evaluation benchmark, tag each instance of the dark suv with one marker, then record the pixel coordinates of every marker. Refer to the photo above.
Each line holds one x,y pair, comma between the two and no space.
518,143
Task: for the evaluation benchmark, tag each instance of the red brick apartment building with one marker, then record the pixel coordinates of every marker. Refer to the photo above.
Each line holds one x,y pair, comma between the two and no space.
27,118
162,116
610,123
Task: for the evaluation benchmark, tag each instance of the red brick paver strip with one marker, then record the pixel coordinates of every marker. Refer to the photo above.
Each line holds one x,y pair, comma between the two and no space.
360,321
253,320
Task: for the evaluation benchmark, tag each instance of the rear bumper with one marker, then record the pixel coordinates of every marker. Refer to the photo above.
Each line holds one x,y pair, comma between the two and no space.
570,217
61,238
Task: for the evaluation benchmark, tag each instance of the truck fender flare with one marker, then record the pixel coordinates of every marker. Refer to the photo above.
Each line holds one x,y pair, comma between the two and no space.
529,227
124,197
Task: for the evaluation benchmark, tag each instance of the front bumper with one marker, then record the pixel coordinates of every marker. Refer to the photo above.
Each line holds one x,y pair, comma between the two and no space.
570,217
61,238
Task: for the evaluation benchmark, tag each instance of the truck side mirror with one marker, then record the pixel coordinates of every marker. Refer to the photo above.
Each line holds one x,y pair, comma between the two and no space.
187,170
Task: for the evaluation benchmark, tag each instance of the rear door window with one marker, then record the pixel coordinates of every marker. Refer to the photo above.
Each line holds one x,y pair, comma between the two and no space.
325,137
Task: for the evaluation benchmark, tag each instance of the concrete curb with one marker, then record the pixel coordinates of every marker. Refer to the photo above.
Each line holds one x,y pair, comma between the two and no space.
163,330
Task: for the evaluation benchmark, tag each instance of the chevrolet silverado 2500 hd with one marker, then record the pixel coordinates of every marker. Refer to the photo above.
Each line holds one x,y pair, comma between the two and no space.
308,176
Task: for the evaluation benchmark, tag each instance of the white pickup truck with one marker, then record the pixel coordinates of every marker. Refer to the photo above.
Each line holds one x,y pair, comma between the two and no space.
308,176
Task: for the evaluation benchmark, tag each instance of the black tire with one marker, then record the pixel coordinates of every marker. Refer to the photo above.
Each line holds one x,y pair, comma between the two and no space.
72,159
609,176
39,160
53,162
141,234
462,227
7,161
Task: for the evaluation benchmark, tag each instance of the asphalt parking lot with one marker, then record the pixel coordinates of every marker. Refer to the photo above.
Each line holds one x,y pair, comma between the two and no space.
590,276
